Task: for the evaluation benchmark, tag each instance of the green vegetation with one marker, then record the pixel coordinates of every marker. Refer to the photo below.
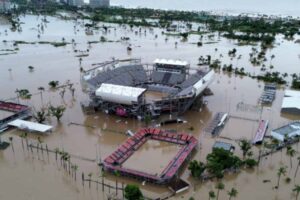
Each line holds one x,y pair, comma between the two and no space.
53,84
232,193
55,44
220,160
220,186
296,189
31,68
133,192
211,195
57,111
291,153
241,28
250,163
245,146
40,116
281,171
272,77
196,168
296,81
23,93
147,119
266,39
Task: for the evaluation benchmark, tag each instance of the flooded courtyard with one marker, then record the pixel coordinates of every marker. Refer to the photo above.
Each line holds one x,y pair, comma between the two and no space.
36,175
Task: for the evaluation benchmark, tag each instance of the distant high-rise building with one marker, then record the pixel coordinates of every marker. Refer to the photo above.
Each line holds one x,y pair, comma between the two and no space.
77,3
5,5
99,3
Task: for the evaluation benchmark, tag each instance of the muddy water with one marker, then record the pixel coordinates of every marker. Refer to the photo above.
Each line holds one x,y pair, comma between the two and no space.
148,153
234,7
98,135
4,114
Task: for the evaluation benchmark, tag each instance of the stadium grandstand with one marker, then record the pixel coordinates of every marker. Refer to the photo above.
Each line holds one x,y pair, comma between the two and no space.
129,88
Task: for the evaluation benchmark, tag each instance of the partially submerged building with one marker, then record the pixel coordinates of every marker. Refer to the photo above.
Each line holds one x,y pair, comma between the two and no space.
223,145
12,111
133,89
288,131
114,162
291,102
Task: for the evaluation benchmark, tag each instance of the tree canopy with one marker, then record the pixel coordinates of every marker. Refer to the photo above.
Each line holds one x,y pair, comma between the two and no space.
133,192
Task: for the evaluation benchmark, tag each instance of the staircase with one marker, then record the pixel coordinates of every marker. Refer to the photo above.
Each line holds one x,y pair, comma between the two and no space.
166,78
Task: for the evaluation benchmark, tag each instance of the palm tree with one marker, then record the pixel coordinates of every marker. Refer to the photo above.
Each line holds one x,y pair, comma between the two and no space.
39,116
245,146
297,167
90,178
272,57
211,195
24,135
232,193
56,151
75,168
41,89
290,152
281,171
274,144
57,111
219,186
196,168
53,84
297,190
11,142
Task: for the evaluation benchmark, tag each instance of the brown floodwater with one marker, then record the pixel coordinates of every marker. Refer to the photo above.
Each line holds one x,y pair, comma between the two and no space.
24,175
147,154
4,114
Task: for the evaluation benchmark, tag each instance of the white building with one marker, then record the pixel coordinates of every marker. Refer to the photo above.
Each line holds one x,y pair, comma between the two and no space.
291,102
289,131
99,3
119,94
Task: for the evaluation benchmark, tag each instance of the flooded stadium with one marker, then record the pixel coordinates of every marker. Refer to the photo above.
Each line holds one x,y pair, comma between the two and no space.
32,174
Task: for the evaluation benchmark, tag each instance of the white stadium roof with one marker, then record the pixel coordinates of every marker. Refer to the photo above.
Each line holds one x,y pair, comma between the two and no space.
203,83
119,94
291,99
171,62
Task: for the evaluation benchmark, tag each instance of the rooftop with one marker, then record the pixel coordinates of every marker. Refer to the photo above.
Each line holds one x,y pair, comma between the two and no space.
119,93
223,145
291,99
288,129
170,62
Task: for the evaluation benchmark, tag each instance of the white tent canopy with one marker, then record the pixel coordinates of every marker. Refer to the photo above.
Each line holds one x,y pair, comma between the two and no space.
30,126
119,94
291,100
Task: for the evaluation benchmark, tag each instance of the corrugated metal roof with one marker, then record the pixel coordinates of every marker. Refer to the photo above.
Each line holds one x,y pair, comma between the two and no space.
119,93
223,145
170,62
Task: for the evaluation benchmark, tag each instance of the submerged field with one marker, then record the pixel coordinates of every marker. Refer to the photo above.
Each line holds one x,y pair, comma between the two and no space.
28,175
